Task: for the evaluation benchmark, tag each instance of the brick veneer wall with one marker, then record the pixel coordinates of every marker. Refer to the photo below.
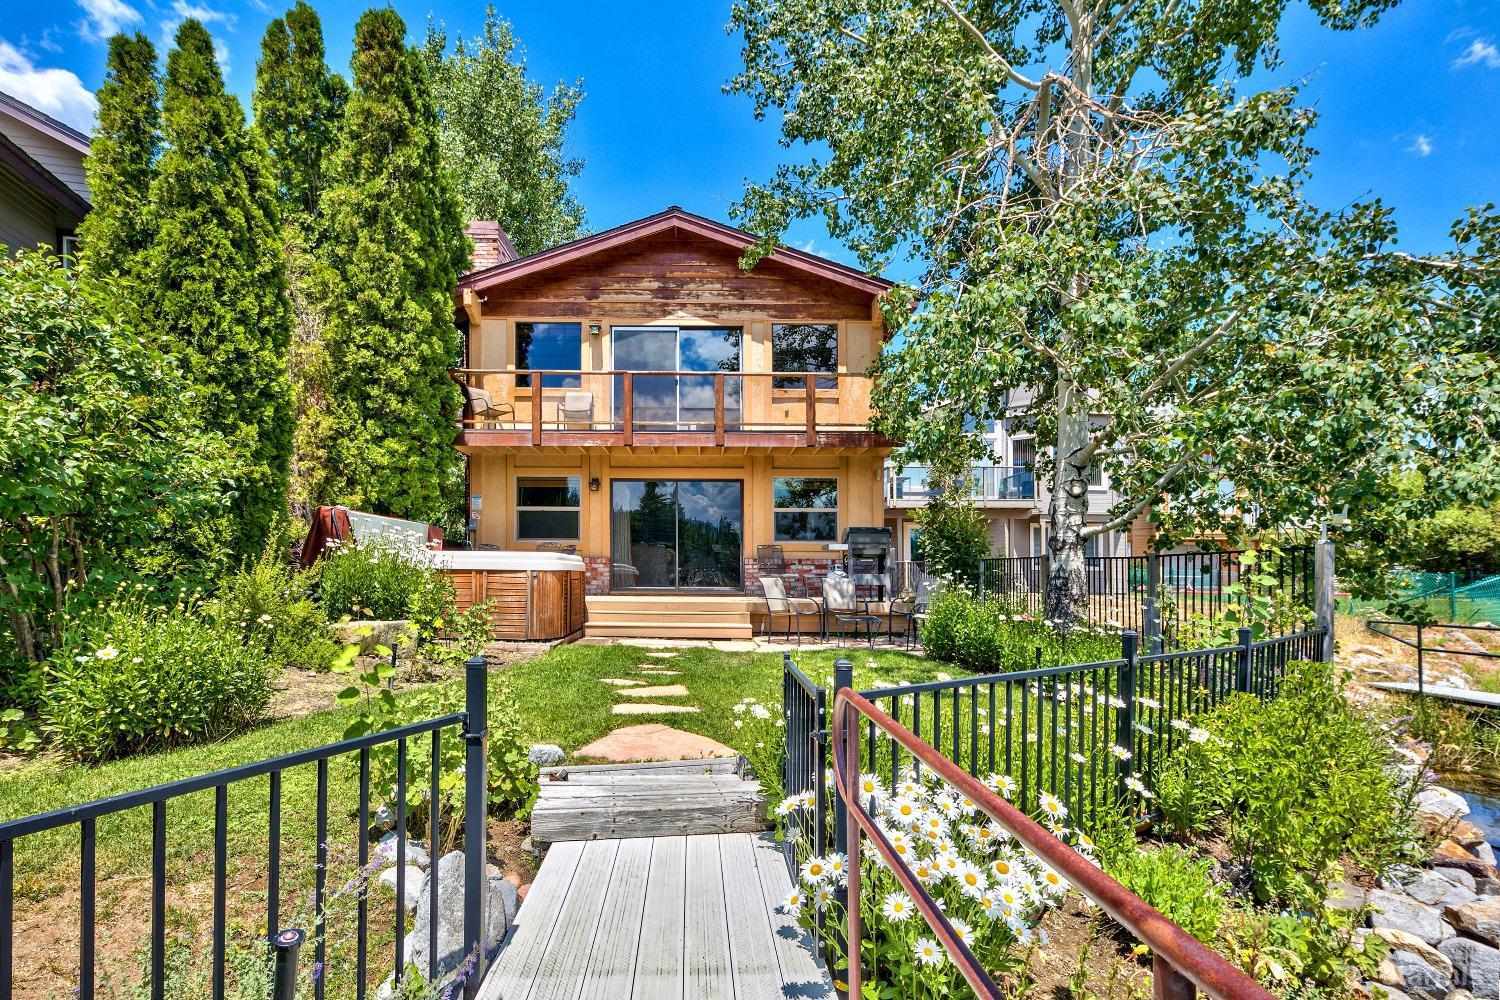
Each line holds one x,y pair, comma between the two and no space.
596,574
808,571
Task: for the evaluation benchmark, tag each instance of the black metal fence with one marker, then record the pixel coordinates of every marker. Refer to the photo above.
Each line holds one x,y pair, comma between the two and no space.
1077,736
469,725
1152,594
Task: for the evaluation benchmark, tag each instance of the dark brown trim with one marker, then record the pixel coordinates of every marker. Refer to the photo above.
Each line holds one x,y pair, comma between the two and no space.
43,180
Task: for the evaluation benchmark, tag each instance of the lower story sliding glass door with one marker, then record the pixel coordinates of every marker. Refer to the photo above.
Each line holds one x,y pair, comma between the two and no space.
676,534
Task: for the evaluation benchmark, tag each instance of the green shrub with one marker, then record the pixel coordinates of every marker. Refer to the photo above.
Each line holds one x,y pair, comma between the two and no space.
372,580
272,610
995,635
130,677
1176,881
1296,783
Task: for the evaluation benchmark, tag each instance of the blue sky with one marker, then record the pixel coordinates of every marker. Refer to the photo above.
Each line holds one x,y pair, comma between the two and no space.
1410,109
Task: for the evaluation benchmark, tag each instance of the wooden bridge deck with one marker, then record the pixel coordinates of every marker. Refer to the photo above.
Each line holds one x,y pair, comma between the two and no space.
656,919
1464,696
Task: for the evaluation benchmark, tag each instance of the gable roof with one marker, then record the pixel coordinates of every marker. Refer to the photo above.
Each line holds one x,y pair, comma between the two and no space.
43,122
41,180
673,218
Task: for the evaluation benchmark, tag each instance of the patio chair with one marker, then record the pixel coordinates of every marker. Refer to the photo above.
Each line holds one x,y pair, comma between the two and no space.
918,616
840,601
772,560
480,403
577,408
778,603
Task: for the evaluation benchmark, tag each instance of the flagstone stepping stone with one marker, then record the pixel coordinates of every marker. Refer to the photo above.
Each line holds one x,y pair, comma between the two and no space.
620,682
660,691
735,645
661,655
663,673
653,741
646,708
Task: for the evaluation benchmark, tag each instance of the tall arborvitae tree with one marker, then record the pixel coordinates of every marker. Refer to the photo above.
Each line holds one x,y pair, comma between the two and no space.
394,247
503,138
122,156
217,290
298,106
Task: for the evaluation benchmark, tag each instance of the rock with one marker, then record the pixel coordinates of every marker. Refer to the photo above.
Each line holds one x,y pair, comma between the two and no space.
1402,941
1441,801
1484,852
1459,995
1382,991
384,818
1466,833
369,634
1343,896
546,754
1386,973
1476,966
1402,913
1479,919
1420,977
1486,887
1435,889
415,879
502,903
529,846
1450,854
416,851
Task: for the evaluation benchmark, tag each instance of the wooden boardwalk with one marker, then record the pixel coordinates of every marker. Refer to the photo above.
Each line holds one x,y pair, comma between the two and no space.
660,918
677,798
1464,696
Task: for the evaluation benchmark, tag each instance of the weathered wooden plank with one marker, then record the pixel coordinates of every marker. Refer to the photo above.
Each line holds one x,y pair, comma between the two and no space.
754,965
560,970
557,824
711,765
706,958
511,976
672,788
611,966
1483,699
659,960
802,973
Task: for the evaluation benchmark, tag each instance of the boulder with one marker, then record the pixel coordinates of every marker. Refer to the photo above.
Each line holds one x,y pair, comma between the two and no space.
1466,833
416,851
1484,852
1476,966
1450,854
501,905
1386,974
546,754
1381,991
1402,941
415,879
1344,896
1442,802
1420,977
1479,919
1487,886
369,634
1402,913
1435,888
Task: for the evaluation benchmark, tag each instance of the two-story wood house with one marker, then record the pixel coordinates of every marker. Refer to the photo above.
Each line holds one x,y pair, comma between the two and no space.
679,422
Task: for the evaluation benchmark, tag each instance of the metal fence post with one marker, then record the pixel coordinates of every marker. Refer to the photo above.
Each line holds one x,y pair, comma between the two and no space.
1150,612
1125,714
1323,594
285,944
982,562
843,677
1420,682
476,809
1242,667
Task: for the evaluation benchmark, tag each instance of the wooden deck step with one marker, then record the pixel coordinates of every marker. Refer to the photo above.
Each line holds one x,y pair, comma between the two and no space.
630,801
669,616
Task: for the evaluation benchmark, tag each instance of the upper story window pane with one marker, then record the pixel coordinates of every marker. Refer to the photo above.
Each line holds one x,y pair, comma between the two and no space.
805,347
550,347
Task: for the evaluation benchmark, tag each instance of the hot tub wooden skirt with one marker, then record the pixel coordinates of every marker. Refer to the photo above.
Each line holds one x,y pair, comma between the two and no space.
525,604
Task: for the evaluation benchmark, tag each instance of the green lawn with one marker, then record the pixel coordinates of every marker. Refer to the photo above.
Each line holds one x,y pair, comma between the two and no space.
557,698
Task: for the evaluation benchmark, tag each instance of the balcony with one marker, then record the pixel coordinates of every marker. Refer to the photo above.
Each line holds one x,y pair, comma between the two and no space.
987,484
595,409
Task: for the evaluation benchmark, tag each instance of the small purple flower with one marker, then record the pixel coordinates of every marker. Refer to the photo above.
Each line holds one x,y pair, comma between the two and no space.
317,972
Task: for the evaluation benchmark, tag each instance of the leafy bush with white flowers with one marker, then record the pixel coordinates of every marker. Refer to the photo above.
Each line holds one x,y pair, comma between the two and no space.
762,739
991,888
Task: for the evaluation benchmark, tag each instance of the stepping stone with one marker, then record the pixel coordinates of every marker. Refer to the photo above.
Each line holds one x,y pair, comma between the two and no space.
653,741
661,691
620,682
663,673
639,708
660,655
735,645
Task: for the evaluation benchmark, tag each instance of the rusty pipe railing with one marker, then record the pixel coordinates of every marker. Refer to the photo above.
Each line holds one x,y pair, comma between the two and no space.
1181,964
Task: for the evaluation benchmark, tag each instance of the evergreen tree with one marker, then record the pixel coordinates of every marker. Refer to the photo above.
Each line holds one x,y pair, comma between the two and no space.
122,155
216,281
503,137
298,106
394,247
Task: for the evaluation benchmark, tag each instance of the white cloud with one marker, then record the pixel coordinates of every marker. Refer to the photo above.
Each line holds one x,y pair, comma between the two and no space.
105,18
1421,145
58,92
182,10
1481,52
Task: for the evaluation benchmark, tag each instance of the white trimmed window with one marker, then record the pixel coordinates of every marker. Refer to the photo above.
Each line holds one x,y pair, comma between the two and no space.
547,508
805,509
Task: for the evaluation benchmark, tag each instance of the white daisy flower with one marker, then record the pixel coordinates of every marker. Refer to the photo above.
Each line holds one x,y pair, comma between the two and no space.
928,952
897,908
1051,806
1119,752
107,653
971,881
815,870
793,902
1198,734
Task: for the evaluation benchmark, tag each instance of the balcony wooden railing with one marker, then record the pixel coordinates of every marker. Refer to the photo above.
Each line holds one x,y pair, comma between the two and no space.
518,407
987,483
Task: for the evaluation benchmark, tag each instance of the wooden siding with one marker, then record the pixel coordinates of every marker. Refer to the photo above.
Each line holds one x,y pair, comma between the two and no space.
63,163
647,281
539,605
26,219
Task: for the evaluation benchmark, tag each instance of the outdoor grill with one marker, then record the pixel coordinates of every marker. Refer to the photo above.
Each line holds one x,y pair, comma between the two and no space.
867,559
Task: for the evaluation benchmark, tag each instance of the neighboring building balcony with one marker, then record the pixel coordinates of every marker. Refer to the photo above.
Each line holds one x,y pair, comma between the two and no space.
599,409
988,484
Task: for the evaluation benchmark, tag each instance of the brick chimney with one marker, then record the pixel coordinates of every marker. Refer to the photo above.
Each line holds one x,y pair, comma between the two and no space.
491,245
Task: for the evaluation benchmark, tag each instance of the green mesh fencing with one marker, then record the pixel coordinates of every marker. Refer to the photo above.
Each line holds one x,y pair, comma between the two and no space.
1440,597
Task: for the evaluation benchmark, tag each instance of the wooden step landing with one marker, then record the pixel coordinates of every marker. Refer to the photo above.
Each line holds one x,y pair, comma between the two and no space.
626,801
659,919
669,616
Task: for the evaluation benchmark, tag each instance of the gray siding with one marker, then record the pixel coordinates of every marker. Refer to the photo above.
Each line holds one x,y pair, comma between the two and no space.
63,162
26,219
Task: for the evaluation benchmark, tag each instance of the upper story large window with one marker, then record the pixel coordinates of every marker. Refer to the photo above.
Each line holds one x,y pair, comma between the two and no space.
805,347
549,347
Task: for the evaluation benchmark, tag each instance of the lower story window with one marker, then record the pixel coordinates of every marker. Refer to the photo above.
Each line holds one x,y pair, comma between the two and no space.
547,508
805,509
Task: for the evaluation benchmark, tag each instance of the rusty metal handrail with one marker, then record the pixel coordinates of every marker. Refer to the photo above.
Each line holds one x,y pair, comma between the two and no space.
1180,963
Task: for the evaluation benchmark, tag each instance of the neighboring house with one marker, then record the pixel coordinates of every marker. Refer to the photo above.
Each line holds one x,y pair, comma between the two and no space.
637,395
43,193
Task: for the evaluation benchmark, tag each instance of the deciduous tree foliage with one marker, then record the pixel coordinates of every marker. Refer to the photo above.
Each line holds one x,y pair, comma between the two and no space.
503,138
394,247
1104,215
215,279
99,447
121,160
299,105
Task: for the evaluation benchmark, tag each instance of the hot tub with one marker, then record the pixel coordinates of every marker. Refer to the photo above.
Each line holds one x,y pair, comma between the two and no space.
533,595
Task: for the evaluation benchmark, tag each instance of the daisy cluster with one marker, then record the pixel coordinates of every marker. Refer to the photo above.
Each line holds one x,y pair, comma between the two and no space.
993,890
